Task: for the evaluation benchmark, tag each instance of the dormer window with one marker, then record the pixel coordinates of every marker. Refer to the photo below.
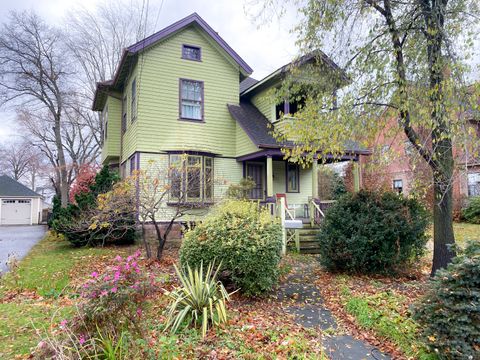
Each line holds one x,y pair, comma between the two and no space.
289,108
190,52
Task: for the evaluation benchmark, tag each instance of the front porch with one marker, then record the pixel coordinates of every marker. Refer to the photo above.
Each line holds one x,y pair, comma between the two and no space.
291,192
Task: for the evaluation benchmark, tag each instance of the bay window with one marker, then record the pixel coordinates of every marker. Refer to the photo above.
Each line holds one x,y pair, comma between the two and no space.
191,177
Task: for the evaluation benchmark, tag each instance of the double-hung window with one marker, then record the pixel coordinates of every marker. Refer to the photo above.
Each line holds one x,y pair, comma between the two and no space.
191,99
133,107
293,178
105,122
191,178
133,166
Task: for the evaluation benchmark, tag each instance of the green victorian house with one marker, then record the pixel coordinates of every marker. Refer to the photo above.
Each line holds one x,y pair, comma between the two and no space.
184,90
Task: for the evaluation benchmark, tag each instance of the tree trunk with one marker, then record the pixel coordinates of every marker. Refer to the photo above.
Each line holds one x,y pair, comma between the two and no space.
442,230
63,185
160,238
443,236
145,241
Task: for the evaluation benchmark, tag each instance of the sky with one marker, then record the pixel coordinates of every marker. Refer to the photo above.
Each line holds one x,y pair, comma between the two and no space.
264,46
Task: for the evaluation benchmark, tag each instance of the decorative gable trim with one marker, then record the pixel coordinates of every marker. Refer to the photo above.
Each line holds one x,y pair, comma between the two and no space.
191,19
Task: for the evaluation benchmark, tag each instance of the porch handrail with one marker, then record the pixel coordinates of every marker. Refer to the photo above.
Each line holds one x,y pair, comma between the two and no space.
317,207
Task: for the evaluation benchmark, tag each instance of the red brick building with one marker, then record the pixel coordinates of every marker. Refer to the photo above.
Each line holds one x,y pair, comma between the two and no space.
395,164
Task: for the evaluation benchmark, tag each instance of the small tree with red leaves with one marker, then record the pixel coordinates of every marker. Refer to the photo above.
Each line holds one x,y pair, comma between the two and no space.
85,178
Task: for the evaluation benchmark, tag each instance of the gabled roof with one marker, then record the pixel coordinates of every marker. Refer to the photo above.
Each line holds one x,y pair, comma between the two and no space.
128,56
277,75
259,129
254,123
11,187
248,82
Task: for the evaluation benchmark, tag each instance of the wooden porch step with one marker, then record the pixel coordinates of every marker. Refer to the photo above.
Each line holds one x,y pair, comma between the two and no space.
309,251
309,240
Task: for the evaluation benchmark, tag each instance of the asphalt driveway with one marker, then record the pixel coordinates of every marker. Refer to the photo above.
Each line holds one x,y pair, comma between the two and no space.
18,240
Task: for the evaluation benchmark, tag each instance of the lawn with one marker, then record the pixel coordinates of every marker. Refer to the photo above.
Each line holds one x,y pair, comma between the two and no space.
379,308
42,292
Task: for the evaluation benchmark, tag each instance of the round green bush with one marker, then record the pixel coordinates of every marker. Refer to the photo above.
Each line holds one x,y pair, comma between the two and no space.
244,239
372,232
449,313
471,213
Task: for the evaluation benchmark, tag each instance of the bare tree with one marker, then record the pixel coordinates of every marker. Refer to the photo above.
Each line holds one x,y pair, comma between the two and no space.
96,40
163,193
15,159
33,74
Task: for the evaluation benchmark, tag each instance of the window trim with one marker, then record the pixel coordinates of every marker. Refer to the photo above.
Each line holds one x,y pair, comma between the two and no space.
398,189
133,101
202,87
124,114
184,178
192,47
297,171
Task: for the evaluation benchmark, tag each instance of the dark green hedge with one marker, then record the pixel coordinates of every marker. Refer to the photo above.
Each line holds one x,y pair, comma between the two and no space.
372,232
449,313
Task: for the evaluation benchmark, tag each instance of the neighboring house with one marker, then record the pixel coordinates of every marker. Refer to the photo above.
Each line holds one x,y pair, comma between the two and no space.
18,204
184,90
402,166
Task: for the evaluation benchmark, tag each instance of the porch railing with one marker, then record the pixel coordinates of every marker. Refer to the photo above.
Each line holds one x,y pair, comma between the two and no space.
318,209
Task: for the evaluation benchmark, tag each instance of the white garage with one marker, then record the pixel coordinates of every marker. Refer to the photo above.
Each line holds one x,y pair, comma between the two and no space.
18,204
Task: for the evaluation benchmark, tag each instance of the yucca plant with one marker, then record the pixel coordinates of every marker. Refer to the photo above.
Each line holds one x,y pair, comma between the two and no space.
200,301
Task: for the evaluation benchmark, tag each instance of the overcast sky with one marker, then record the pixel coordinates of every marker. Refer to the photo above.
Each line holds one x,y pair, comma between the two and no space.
264,48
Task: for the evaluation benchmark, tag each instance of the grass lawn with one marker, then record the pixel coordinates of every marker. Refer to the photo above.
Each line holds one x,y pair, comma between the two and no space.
43,292
378,308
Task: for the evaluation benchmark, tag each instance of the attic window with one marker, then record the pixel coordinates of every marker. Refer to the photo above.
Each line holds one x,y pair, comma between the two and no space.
191,53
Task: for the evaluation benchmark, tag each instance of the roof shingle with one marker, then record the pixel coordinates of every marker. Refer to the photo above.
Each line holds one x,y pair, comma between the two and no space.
11,187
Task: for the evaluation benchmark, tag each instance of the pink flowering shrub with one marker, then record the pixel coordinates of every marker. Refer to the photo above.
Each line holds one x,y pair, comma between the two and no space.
116,297
109,315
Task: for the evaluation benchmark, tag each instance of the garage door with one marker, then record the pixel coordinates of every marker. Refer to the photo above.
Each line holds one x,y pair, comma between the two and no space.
16,212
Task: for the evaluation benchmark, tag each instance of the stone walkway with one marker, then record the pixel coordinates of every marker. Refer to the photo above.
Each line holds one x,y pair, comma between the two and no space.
305,303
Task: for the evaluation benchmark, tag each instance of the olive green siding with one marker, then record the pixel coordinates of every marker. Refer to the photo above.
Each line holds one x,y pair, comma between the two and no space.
244,144
160,69
264,101
111,145
279,184
130,138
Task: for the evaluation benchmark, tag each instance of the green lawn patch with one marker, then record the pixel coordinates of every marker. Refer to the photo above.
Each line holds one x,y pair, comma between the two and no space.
466,232
19,321
47,273
382,313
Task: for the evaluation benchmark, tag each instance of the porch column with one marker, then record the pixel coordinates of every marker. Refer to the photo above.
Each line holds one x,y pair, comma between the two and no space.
269,177
356,177
315,177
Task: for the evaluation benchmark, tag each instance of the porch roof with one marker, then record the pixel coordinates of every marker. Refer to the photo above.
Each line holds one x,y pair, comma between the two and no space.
277,154
259,130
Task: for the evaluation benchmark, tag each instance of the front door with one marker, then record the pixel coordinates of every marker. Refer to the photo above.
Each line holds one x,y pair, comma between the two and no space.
256,171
